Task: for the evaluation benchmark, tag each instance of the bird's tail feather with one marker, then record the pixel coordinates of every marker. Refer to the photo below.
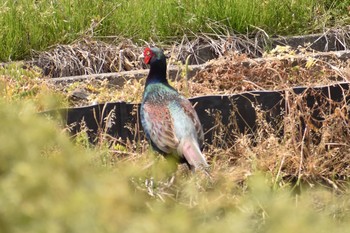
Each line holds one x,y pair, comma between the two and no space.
193,155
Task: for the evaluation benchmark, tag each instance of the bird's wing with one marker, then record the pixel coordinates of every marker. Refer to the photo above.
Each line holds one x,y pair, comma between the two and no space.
192,114
160,127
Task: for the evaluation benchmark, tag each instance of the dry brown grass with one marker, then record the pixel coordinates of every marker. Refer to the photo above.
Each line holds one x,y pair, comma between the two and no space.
230,74
314,148
237,73
87,56
90,56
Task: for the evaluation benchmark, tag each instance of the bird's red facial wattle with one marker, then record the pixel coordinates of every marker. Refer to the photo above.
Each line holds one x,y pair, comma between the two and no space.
147,55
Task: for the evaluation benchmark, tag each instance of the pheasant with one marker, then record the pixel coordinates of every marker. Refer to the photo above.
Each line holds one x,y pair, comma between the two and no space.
169,121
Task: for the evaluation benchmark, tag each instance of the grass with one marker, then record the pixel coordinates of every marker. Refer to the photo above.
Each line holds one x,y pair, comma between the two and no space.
20,82
36,25
50,184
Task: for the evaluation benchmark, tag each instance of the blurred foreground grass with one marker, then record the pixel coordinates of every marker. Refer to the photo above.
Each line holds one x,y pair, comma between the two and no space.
49,184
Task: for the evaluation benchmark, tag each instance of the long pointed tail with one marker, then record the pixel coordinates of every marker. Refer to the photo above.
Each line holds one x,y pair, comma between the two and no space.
190,149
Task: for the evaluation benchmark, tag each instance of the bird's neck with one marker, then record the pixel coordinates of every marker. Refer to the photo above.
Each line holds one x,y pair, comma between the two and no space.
157,73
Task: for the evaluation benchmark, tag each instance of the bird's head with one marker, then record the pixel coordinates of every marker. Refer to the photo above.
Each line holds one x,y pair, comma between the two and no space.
152,54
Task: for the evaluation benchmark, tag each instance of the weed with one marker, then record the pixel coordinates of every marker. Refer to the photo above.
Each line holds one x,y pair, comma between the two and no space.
28,25
19,82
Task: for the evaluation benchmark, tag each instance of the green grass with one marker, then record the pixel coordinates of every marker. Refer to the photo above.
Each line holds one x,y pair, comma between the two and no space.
21,83
48,184
29,24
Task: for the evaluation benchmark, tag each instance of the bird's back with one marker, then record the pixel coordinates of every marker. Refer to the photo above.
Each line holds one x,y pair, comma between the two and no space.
168,117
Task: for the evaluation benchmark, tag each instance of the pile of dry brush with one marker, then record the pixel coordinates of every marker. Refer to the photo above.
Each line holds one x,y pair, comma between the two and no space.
308,142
